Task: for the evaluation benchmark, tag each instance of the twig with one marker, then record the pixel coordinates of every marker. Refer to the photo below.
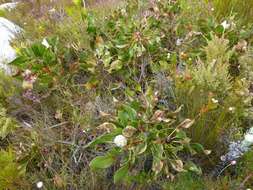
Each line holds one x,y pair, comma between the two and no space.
67,143
244,181
84,4
57,125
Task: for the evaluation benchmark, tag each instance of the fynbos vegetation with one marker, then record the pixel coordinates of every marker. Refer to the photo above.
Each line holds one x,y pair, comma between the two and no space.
145,94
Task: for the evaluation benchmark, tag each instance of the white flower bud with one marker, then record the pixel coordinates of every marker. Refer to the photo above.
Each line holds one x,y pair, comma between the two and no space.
45,43
179,42
215,101
39,184
233,162
225,24
231,109
120,141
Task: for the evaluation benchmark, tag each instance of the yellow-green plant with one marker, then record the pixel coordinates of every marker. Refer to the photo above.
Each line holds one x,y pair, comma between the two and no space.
7,124
213,74
207,89
242,9
11,172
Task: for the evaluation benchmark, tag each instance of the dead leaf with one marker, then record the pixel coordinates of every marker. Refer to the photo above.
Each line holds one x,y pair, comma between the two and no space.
107,127
129,131
178,165
58,181
187,123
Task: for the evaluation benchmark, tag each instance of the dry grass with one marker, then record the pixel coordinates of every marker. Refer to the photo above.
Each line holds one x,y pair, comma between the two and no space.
94,3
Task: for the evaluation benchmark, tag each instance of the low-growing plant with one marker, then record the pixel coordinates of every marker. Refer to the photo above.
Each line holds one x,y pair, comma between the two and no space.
43,60
12,173
83,67
146,143
222,102
129,44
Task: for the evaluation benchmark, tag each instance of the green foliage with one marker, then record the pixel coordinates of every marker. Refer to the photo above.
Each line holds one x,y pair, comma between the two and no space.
186,181
45,63
102,162
8,88
11,172
242,9
245,62
158,134
8,125
124,43
175,80
220,101
213,75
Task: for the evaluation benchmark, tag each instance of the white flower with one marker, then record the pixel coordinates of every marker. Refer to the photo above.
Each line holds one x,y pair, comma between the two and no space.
45,43
168,55
249,138
120,141
212,9
52,10
215,101
225,24
223,158
233,162
231,109
179,42
39,184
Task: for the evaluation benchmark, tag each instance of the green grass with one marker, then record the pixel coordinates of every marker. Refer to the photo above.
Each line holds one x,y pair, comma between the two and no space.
241,9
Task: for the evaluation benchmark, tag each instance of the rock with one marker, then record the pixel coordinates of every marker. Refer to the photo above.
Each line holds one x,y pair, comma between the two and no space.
8,6
8,30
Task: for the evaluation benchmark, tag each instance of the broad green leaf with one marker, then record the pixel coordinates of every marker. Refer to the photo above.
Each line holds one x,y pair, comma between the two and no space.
101,162
193,168
198,147
127,114
104,138
181,135
20,62
121,174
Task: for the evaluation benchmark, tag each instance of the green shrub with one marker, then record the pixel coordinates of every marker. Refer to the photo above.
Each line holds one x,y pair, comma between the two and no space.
148,134
169,72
